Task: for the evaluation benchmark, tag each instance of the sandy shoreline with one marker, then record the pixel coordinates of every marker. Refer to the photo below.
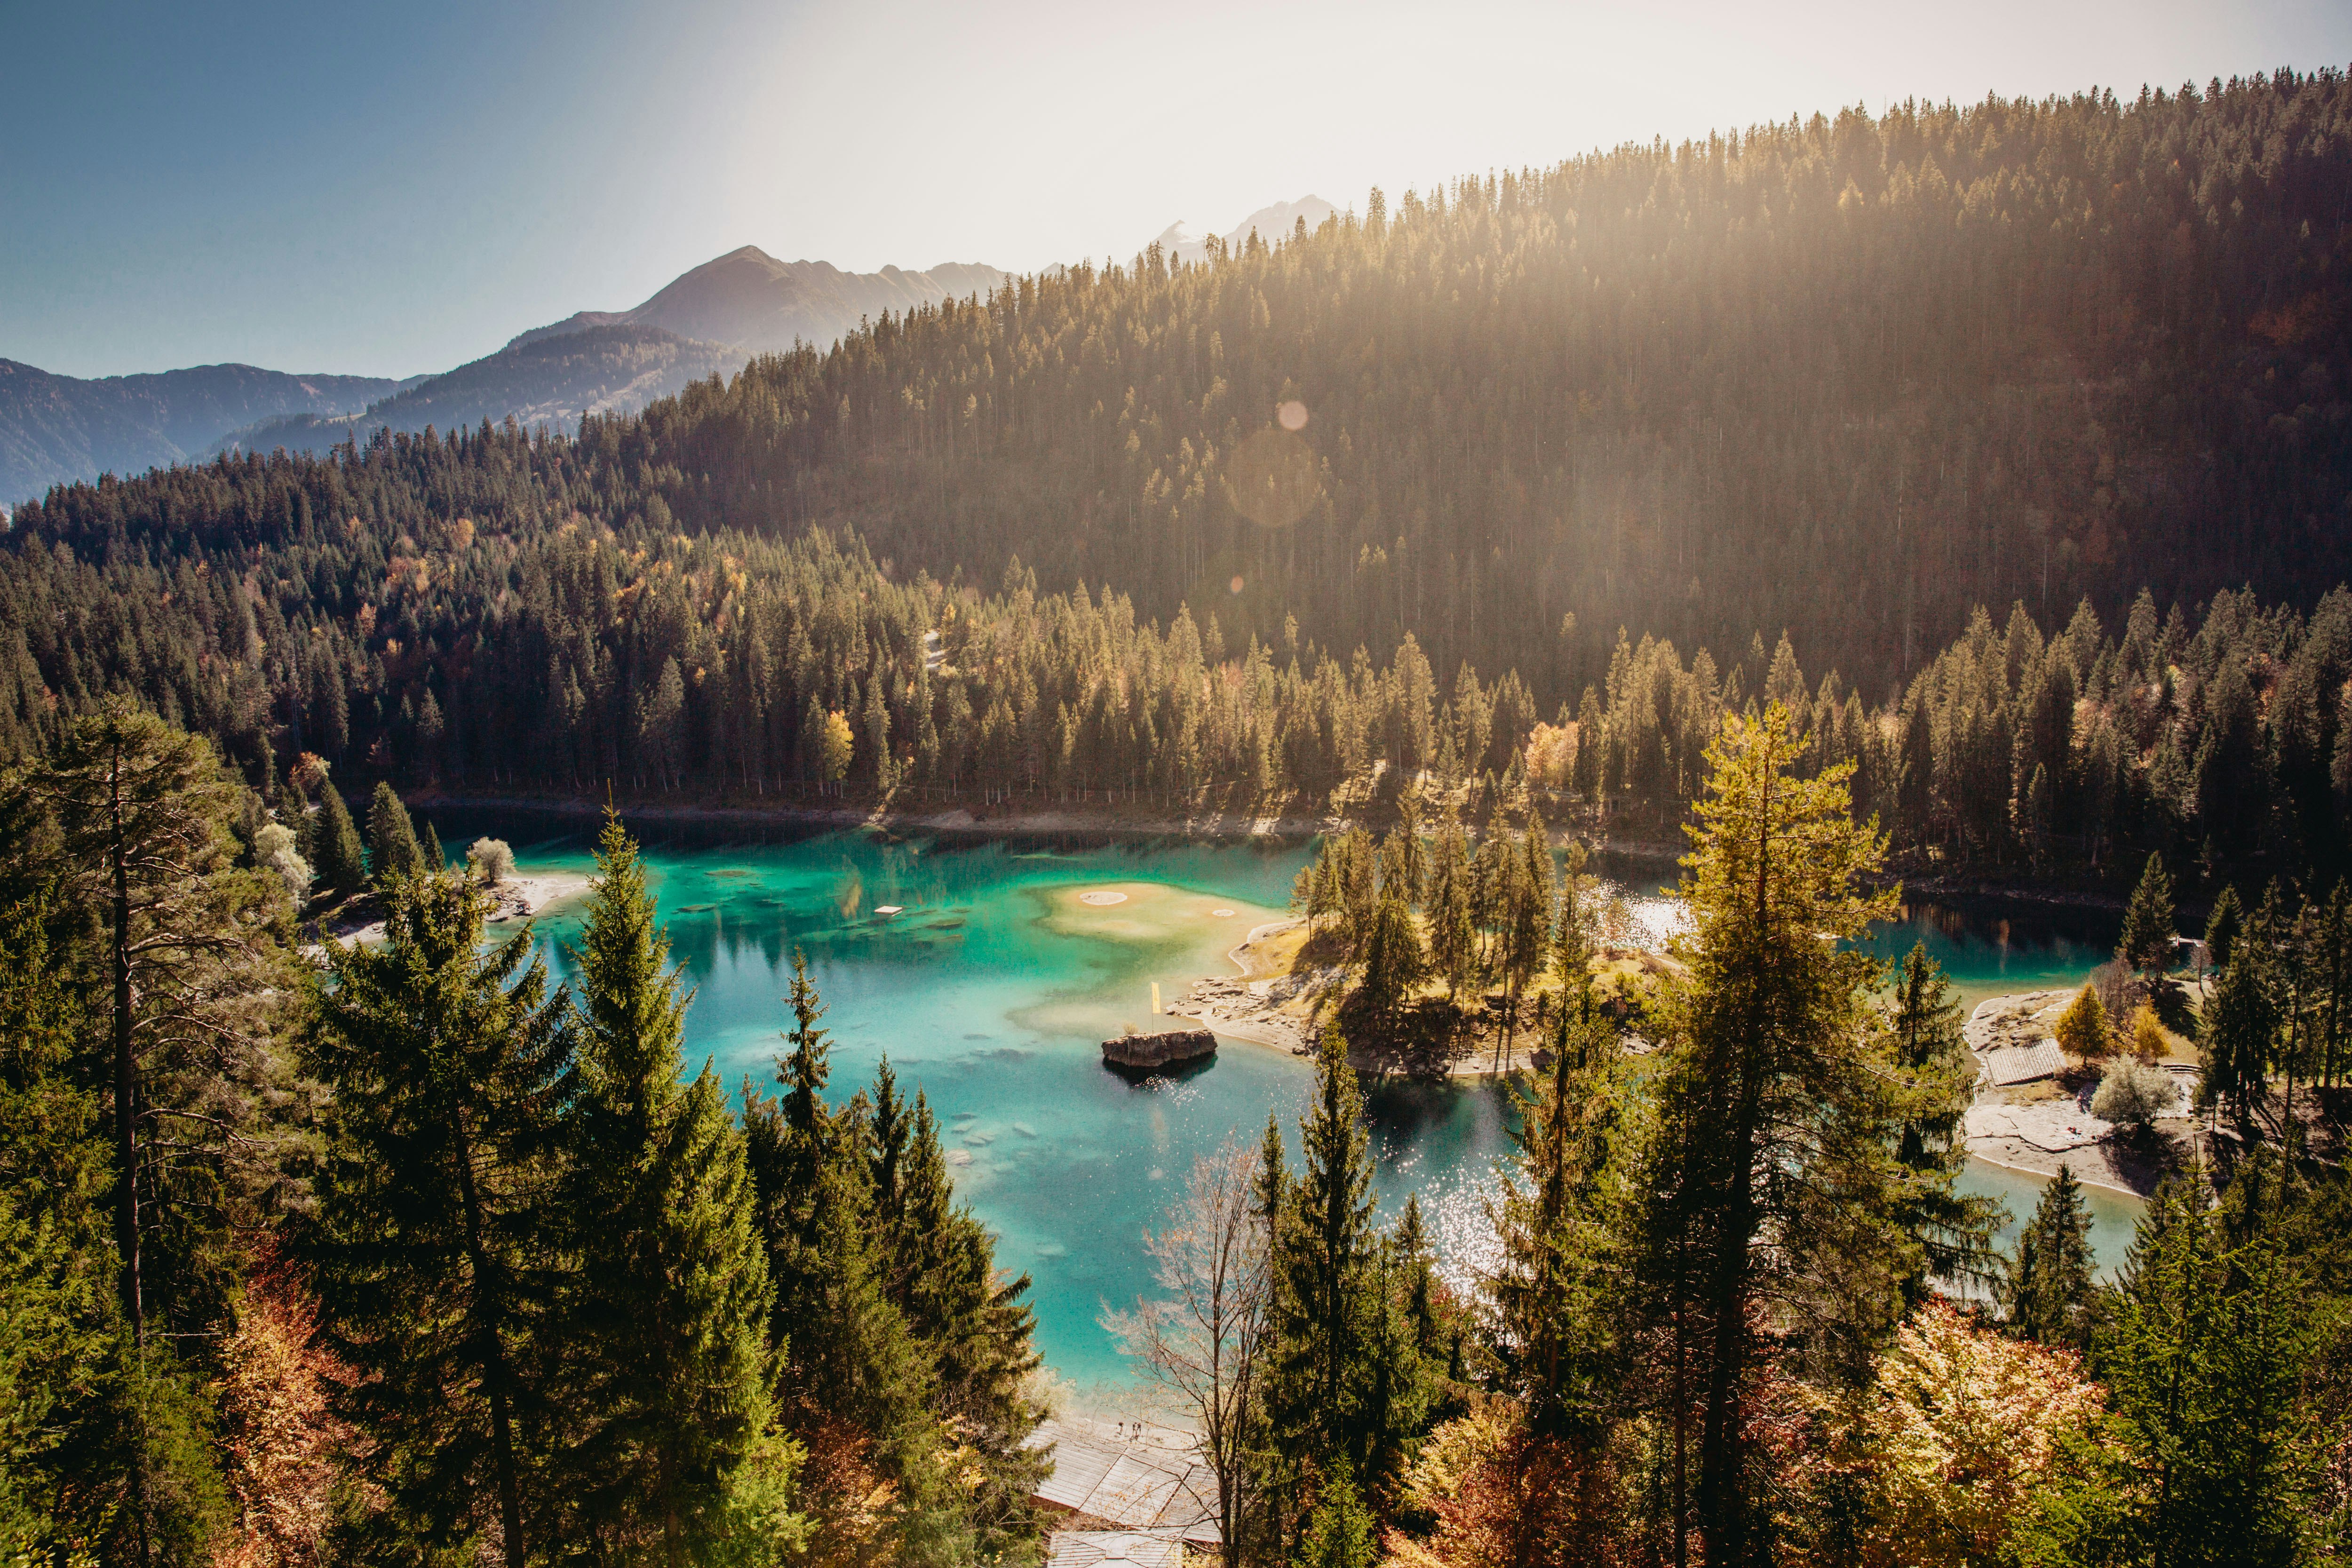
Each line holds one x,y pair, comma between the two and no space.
2035,1128
516,898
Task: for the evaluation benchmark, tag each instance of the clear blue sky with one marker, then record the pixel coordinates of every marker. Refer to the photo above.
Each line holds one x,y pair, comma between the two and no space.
391,189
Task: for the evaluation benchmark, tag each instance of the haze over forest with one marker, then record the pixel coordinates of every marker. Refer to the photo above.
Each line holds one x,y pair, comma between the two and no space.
1956,495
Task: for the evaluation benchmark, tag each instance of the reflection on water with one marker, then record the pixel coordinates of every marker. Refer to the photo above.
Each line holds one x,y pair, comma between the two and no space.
992,988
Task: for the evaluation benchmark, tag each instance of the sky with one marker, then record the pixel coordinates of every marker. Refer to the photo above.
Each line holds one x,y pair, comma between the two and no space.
390,190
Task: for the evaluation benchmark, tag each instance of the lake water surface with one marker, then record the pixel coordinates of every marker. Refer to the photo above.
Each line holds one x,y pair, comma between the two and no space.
994,986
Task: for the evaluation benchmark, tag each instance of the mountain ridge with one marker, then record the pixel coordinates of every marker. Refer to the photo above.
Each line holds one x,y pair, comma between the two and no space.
710,320
748,297
55,429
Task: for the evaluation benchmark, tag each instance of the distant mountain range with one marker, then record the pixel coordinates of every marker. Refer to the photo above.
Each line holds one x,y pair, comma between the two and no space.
1277,222
58,428
55,429
749,299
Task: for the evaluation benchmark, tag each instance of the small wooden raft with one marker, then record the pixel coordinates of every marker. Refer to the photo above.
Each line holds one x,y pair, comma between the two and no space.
1168,1048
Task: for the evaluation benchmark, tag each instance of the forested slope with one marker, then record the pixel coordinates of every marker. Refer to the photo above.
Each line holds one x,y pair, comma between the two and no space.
1708,395
1942,358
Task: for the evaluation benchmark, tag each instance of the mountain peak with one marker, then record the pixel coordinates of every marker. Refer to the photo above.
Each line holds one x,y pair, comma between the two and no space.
1273,224
748,300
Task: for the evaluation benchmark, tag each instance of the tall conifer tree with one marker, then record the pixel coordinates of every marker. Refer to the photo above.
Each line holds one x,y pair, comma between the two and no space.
668,1324
450,1071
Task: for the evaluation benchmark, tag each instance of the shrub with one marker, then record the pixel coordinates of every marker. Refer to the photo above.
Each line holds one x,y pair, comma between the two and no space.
492,860
2132,1094
275,847
2083,1027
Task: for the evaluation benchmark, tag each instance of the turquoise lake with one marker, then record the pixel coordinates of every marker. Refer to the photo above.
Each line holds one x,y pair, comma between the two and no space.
993,988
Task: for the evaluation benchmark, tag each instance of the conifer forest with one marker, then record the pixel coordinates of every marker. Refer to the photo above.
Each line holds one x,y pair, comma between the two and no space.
1958,496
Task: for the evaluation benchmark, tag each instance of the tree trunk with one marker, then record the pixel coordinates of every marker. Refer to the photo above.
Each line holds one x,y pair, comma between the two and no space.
126,1083
492,1354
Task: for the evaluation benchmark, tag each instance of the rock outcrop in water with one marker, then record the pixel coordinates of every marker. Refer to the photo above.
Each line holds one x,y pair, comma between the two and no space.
1168,1048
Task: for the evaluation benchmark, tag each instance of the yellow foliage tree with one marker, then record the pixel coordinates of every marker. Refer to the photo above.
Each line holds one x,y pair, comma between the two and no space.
2083,1028
2149,1040
838,745
1948,1443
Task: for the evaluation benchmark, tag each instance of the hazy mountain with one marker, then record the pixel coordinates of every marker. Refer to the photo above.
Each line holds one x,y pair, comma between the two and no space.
1276,222
55,429
538,380
748,297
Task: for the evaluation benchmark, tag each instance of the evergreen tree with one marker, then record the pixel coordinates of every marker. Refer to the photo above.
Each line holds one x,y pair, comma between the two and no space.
1773,1064
666,1327
1453,939
1955,1231
2209,1460
1574,947
2050,1292
340,863
2224,924
1340,1385
1561,1223
2146,943
1338,1531
102,1443
392,849
855,1380
191,965
1526,938
975,1329
2238,1033
450,1070
1393,961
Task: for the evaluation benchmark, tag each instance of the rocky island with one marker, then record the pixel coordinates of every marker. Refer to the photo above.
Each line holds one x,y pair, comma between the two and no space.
1170,1048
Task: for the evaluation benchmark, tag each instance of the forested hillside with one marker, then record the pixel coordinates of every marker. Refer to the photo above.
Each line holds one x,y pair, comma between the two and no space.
1942,358
1771,416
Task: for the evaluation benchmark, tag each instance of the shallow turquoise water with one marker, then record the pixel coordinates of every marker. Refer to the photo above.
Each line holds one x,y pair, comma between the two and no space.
994,986
992,991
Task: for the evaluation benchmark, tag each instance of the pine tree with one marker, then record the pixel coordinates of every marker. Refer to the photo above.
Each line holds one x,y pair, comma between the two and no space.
102,1442
2224,924
1338,1531
1393,961
1560,1224
1773,1064
854,1379
667,1324
191,964
393,850
2050,1292
2209,1459
2146,943
1335,1387
1573,948
2239,1032
340,863
975,1329
1955,1231
450,1069
1526,918
1453,939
